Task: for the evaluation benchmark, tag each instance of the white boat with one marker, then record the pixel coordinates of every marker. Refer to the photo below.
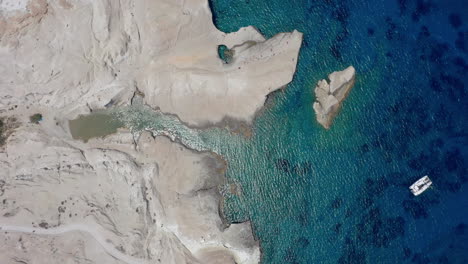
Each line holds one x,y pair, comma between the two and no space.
420,185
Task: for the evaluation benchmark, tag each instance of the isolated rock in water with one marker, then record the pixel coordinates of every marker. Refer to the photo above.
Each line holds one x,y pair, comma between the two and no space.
330,95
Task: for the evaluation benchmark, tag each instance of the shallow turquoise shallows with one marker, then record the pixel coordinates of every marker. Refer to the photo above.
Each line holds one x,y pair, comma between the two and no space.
341,196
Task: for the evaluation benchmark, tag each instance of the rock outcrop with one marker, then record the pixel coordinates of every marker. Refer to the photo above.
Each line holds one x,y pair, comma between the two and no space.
149,201
140,201
80,55
329,96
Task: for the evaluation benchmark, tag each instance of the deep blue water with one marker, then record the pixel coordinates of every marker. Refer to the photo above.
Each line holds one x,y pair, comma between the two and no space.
341,196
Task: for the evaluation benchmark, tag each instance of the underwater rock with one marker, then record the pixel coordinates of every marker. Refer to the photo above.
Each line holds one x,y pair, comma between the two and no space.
415,209
377,230
335,204
455,20
406,252
283,165
303,242
352,254
330,95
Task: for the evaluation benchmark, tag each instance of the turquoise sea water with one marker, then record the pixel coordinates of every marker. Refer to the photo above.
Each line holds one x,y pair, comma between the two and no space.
341,196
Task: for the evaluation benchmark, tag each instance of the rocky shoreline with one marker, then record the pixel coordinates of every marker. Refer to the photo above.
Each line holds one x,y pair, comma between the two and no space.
150,199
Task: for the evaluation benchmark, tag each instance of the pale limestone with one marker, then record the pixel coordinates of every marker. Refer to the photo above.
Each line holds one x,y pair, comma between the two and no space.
78,55
153,200
139,200
329,96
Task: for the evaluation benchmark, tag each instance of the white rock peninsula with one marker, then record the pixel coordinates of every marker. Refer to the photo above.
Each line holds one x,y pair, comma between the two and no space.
124,198
54,52
329,96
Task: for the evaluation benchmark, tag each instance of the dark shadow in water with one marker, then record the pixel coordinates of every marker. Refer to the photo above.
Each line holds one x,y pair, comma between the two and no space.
449,248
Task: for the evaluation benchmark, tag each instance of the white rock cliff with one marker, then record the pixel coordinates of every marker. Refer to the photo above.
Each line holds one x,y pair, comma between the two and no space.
329,96
121,199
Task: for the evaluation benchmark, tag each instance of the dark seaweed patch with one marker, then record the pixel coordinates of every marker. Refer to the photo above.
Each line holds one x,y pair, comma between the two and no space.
418,258
435,85
443,260
337,228
364,148
302,168
436,145
453,186
376,230
335,204
375,187
290,257
335,51
460,229
424,33
283,165
415,209
365,202
303,219
406,253
460,63
457,86
348,241
370,31
340,37
402,4
420,162
348,213
453,160
460,42
437,52
450,248
303,242
423,7
352,255
341,13
391,30
455,20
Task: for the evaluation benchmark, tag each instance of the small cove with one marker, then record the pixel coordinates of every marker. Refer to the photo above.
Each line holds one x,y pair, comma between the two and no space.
341,196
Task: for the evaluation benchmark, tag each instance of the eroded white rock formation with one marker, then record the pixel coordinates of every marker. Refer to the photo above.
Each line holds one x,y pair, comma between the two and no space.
153,202
98,51
330,95
118,200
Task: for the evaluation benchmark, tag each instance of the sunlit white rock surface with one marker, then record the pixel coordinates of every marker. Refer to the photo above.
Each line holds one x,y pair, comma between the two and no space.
122,199
330,95
82,54
138,203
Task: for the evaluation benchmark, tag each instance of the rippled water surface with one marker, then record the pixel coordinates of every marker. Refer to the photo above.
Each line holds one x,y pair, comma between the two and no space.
341,196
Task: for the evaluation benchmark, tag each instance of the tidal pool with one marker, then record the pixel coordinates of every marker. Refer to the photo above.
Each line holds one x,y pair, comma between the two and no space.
99,124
